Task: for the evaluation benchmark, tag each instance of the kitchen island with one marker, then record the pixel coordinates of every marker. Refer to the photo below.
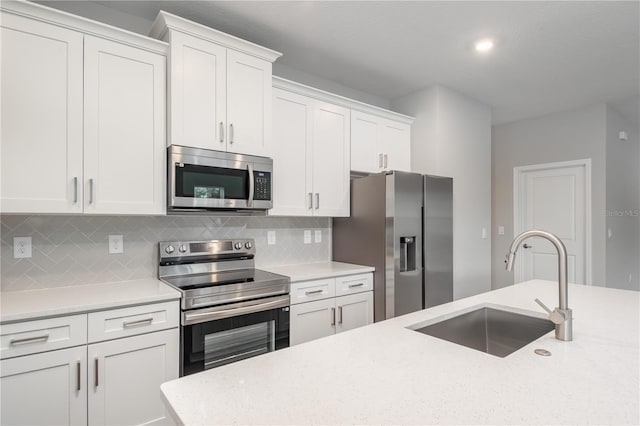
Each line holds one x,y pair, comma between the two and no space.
385,373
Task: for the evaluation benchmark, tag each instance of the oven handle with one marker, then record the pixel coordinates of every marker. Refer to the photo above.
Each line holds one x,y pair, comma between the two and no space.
251,185
228,311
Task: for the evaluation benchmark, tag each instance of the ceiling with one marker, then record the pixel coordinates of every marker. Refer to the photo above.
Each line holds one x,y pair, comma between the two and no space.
550,56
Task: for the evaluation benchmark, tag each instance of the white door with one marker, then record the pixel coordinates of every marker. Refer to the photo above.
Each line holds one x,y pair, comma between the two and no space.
292,142
331,160
197,105
552,198
395,140
125,377
41,128
311,320
45,389
354,310
248,104
124,167
365,153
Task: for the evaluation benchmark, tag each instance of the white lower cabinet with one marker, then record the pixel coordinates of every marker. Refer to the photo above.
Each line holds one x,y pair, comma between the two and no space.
111,382
125,377
326,315
48,388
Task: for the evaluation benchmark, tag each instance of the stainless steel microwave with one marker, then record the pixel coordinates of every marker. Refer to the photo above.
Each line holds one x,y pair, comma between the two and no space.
202,180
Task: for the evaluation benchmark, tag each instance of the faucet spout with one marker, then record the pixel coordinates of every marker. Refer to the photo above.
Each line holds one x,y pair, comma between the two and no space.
564,329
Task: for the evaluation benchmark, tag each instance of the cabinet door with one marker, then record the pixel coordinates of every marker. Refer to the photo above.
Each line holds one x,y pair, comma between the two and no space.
365,154
124,141
125,377
312,320
292,142
331,160
248,104
45,389
354,311
41,128
396,144
198,93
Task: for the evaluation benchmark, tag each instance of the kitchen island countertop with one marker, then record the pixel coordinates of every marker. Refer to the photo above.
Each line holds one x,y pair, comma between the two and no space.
385,373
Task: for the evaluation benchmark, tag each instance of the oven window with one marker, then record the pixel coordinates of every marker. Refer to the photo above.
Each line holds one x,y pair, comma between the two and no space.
211,182
233,345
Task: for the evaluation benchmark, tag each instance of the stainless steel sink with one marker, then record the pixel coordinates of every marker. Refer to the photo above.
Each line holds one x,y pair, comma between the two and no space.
494,331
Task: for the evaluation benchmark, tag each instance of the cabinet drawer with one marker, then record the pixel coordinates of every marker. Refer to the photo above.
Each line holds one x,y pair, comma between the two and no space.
30,337
306,291
354,284
124,322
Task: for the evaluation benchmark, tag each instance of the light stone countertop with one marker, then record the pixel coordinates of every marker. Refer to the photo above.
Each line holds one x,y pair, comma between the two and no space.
385,373
319,270
33,304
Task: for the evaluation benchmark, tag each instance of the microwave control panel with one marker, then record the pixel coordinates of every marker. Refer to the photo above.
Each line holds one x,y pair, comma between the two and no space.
262,188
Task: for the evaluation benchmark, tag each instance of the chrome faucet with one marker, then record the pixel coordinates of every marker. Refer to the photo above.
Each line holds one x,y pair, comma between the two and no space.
560,316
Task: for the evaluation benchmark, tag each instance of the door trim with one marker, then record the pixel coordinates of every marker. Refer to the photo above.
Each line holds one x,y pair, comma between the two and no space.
518,211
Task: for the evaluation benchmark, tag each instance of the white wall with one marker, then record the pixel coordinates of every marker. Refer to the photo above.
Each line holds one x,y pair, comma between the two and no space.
452,137
564,136
623,203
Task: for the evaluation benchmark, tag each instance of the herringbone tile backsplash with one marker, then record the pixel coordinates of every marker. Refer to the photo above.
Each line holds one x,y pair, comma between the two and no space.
73,250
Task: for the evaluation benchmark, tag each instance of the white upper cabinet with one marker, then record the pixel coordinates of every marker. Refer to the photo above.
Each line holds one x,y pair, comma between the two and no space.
220,88
41,117
83,117
380,143
310,155
124,143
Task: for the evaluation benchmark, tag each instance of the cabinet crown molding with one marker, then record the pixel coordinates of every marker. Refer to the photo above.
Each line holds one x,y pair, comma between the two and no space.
312,92
166,21
52,16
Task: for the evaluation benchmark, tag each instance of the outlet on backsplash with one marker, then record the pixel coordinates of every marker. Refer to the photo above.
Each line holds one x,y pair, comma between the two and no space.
21,247
307,236
317,236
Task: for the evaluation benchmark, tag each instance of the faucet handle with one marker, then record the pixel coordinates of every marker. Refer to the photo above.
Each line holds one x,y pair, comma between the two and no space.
555,316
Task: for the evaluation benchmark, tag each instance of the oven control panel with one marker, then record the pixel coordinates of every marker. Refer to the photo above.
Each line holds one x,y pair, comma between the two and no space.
212,248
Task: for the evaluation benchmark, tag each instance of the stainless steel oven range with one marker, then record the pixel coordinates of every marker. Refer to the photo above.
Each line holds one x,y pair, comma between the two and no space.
229,310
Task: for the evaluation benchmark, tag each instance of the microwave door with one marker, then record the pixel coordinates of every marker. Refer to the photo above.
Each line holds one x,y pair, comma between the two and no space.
211,187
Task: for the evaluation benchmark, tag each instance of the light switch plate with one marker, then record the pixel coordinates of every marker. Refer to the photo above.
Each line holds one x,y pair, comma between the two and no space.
116,244
500,230
317,236
307,236
484,233
271,237
21,247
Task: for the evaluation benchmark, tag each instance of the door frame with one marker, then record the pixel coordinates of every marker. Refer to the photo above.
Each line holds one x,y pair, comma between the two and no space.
518,210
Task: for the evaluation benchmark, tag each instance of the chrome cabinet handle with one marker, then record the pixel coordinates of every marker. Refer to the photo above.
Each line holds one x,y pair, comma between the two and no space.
221,132
356,285
310,201
75,190
380,160
308,292
339,314
333,316
29,340
386,157
137,323
78,375
231,133
90,191
95,372
317,200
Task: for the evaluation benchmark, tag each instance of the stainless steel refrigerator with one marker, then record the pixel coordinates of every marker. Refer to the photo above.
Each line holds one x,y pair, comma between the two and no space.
401,224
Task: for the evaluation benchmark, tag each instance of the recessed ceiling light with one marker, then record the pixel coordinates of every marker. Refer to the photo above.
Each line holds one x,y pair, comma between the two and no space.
485,45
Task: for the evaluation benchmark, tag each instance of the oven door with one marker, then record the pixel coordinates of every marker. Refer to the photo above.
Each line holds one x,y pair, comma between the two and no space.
204,179
216,336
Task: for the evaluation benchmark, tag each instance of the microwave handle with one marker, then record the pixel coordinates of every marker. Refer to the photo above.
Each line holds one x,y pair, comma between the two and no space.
251,184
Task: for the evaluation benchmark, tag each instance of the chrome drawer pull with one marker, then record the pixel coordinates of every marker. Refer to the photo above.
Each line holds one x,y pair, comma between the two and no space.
78,375
339,314
333,316
356,285
137,323
95,372
29,340
308,292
